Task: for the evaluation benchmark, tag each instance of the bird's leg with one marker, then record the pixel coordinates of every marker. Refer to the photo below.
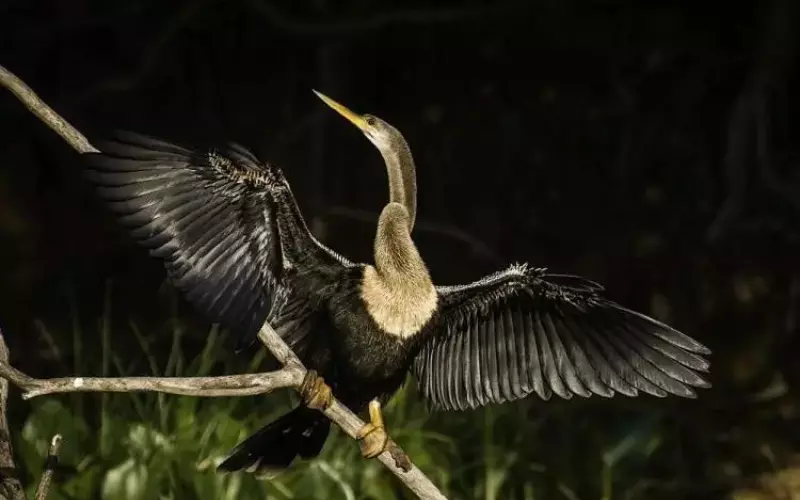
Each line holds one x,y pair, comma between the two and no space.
315,392
373,439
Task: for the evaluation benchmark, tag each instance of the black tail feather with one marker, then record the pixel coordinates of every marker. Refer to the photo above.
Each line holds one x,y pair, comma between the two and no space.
301,432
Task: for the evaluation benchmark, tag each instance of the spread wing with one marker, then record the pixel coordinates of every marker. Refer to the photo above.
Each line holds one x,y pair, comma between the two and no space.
225,225
522,331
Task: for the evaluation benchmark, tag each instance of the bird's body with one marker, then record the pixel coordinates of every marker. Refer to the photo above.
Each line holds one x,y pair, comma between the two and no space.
235,243
359,359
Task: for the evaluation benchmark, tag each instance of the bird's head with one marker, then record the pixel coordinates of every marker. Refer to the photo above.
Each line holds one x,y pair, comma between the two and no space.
384,136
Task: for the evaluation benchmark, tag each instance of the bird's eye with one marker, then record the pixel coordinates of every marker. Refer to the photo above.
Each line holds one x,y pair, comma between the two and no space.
370,120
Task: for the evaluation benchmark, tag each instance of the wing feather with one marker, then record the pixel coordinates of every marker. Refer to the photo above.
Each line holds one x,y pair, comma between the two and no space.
503,354
601,365
491,334
213,218
447,354
433,365
563,364
468,369
673,352
475,352
512,354
523,331
457,364
548,358
533,363
521,343
441,365
580,360
625,367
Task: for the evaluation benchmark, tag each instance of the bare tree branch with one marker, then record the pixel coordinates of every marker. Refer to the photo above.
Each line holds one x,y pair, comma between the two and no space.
44,112
230,385
394,458
10,486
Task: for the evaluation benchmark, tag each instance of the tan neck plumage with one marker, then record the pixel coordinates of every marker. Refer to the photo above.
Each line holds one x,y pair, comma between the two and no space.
398,290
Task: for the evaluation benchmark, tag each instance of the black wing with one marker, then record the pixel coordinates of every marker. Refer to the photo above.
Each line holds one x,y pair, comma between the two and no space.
213,218
522,331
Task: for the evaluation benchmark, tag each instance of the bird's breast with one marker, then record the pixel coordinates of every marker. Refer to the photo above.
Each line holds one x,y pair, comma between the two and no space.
367,361
401,308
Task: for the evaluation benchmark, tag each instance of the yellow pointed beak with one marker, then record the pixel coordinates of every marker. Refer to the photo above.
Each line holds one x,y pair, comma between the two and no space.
354,118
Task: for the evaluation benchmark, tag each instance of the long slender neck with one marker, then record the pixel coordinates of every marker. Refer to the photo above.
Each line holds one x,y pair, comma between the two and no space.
402,178
398,291
396,257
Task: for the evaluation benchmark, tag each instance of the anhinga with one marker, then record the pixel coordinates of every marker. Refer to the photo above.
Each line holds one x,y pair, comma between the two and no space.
235,243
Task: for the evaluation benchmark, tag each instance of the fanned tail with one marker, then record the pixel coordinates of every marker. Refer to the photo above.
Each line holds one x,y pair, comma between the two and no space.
271,450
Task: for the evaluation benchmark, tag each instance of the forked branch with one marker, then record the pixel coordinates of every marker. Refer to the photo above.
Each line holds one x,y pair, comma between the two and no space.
292,375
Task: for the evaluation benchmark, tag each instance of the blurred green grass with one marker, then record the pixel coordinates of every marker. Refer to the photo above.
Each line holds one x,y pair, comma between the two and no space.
151,446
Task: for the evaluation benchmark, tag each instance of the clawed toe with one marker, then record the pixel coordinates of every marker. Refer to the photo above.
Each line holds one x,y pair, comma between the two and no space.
315,392
372,440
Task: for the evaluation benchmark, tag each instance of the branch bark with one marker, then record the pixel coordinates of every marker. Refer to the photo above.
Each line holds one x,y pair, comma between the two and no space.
230,385
10,485
45,113
291,375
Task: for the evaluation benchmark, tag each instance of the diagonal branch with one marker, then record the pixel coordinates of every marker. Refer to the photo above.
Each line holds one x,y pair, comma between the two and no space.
36,105
293,369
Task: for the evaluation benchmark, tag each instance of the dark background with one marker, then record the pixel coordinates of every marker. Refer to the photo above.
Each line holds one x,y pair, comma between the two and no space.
650,146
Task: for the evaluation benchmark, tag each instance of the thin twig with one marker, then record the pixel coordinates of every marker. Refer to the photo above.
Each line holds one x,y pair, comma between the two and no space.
350,423
46,481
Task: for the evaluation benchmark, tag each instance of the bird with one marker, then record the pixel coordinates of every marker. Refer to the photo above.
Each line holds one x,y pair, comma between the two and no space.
234,242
